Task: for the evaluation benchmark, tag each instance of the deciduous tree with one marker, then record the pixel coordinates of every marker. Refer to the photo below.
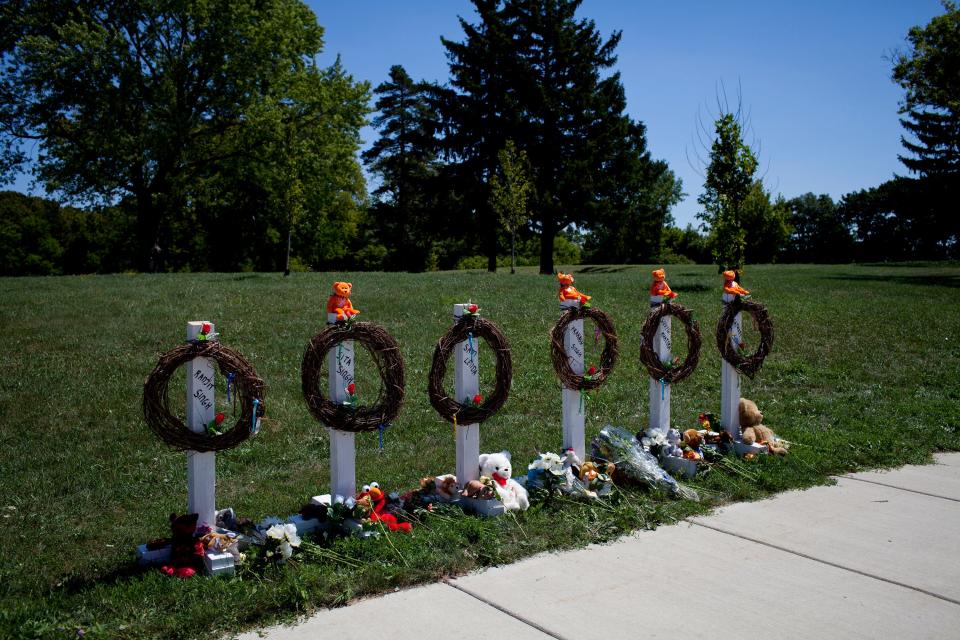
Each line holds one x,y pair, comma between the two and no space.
182,109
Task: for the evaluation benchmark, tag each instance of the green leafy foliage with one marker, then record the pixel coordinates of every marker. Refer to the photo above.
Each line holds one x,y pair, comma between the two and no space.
510,190
535,73
189,113
929,73
729,181
818,233
407,214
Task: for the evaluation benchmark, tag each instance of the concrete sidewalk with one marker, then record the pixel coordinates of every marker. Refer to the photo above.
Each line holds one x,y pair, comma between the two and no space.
872,557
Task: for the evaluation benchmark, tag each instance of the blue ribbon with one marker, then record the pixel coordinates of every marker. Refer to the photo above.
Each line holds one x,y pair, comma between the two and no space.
380,436
230,378
663,389
470,344
253,420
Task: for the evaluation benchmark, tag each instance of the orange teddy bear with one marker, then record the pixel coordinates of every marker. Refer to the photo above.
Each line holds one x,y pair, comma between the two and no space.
567,290
660,286
730,285
339,302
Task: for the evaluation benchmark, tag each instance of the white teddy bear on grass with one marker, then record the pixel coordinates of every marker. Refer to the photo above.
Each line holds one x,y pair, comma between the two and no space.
497,467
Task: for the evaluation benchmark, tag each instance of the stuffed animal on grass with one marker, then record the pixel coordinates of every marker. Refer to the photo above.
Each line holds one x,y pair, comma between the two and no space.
660,286
339,301
497,467
446,486
482,489
186,551
567,290
222,543
378,503
672,448
691,443
752,429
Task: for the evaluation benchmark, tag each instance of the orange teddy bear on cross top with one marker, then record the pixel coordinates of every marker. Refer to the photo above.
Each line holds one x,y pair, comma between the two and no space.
567,290
339,301
730,285
660,286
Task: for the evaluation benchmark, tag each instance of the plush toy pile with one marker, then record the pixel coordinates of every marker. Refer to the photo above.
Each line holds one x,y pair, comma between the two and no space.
753,430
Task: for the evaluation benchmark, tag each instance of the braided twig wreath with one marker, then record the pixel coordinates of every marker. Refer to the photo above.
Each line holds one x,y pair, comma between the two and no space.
170,429
608,358
648,335
386,354
448,408
747,365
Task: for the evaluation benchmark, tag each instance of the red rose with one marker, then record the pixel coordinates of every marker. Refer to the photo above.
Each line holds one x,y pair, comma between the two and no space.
591,371
477,399
205,329
220,417
472,308
351,388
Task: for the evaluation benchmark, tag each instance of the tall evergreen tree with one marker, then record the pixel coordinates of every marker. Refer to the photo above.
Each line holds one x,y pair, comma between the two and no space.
531,71
404,157
930,75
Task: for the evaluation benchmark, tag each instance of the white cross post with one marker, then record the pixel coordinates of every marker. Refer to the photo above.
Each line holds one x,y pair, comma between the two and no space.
343,449
466,383
201,466
659,392
730,382
574,411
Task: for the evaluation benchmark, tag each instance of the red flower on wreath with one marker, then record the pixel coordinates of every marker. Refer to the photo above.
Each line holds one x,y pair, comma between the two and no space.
205,329
351,388
219,418
592,370
477,400
472,308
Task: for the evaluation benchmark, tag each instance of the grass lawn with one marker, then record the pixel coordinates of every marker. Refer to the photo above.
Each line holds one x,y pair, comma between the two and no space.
864,373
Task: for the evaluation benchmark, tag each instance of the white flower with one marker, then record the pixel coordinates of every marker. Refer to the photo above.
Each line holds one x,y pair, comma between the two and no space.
548,462
350,503
286,535
338,499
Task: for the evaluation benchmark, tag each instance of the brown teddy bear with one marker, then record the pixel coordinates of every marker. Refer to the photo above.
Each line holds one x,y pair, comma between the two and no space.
753,430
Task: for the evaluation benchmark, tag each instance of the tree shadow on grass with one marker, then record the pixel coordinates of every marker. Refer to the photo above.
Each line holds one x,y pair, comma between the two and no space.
930,280
79,583
696,287
605,269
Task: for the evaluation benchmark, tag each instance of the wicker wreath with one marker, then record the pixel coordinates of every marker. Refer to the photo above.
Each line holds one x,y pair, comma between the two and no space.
648,335
386,354
156,406
608,358
747,365
448,408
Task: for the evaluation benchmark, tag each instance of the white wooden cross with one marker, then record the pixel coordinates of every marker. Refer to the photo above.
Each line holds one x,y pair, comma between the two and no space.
343,450
201,466
466,383
659,391
730,381
574,411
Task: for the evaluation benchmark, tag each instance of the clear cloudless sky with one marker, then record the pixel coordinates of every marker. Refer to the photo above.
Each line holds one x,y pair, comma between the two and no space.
814,75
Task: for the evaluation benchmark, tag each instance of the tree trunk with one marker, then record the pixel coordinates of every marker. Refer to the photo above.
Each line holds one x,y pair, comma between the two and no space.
492,248
148,222
546,249
513,252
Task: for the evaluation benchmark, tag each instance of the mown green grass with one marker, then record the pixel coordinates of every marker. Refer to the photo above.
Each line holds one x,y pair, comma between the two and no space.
863,374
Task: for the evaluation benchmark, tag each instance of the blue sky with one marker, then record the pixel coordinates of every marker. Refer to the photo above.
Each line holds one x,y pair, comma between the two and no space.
814,75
